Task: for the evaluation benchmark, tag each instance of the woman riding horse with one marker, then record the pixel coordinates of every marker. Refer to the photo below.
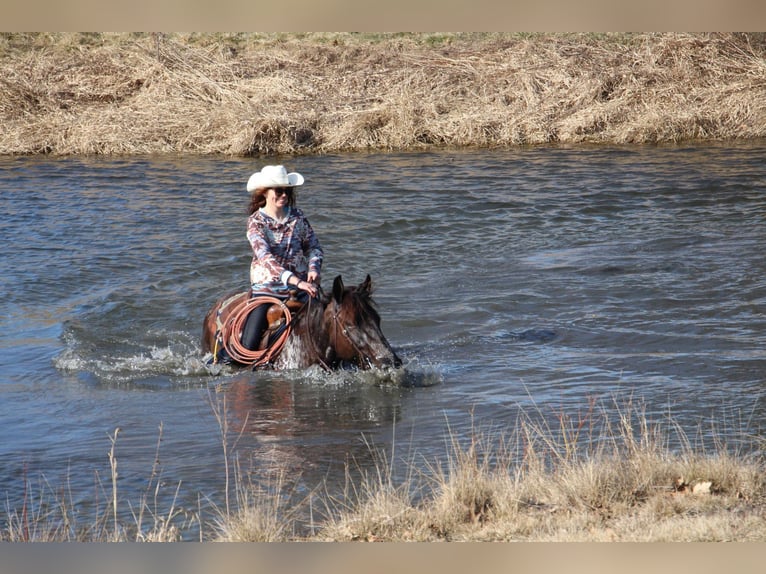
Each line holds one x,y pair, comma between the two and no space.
331,331
286,252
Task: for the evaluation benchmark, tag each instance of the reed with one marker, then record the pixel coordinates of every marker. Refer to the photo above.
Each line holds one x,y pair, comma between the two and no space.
49,513
259,94
584,481
607,474
265,512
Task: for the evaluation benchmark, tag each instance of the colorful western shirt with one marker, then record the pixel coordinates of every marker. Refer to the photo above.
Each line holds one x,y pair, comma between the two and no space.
281,249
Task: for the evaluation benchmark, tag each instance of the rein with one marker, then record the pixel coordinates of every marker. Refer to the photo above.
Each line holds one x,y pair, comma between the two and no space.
337,325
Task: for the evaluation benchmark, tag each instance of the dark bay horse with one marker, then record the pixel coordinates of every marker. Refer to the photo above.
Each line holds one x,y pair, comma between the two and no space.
334,330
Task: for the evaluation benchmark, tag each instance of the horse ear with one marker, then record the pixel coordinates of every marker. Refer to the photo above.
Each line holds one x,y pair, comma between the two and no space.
366,285
337,288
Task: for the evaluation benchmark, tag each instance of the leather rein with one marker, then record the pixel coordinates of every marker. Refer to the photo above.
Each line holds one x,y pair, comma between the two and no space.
337,327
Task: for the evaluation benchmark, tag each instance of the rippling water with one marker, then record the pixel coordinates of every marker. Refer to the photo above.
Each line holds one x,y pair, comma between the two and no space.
541,279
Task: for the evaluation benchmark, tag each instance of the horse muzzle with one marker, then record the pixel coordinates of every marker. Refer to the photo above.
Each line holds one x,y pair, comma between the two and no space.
387,359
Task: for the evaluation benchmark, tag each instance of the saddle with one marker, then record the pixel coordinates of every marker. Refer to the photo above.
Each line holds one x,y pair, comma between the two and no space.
276,319
232,315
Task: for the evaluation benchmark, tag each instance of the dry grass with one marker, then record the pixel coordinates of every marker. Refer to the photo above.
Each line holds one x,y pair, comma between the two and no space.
542,484
263,513
246,94
48,514
586,479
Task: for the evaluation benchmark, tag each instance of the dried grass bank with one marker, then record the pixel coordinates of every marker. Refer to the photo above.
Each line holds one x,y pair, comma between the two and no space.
253,94
585,479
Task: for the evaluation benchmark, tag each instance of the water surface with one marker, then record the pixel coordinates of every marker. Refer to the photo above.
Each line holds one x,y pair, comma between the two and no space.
539,279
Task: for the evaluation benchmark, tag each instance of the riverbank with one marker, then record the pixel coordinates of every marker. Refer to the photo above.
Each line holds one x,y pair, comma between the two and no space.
584,480
262,94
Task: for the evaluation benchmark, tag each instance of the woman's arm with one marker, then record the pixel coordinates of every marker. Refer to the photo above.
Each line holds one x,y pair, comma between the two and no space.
314,253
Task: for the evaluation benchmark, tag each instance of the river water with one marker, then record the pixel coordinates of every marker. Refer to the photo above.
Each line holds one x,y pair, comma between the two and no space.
543,279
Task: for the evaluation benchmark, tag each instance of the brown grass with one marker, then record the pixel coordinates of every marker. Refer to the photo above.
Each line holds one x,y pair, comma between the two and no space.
587,479
543,484
244,94
48,513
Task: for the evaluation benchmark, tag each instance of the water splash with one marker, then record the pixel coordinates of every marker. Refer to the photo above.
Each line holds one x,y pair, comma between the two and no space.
177,360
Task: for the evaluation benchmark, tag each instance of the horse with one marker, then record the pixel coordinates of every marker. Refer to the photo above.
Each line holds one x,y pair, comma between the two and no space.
336,330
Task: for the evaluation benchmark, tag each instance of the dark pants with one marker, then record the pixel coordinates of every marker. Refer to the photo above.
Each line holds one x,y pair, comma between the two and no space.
254,327
257,322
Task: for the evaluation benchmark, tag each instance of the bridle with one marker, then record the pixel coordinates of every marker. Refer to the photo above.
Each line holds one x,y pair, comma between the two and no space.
337,329
338,326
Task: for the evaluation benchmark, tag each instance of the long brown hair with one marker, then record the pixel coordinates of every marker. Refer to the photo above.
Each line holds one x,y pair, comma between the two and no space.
258,199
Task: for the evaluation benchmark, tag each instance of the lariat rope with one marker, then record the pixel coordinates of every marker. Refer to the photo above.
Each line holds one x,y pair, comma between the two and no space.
231,333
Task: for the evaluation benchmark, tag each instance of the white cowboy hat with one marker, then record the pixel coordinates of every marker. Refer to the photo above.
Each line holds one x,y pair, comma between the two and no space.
273,176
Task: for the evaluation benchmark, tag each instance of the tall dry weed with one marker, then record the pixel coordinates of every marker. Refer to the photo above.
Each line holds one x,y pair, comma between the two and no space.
593,478
263,513
251,94
49,514
608,473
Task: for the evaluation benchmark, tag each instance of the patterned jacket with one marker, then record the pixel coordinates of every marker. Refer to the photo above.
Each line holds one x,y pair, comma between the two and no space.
280,249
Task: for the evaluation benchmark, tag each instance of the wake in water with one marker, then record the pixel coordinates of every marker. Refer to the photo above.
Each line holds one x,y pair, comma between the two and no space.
411,374
177,361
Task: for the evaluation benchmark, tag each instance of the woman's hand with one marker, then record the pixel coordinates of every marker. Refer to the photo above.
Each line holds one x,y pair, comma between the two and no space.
313,277
309,288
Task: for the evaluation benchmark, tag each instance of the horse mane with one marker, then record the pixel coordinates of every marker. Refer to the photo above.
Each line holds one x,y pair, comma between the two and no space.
359,302
364,305
315,308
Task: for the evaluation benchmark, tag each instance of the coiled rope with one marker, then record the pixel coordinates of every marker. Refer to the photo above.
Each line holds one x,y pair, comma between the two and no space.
231,333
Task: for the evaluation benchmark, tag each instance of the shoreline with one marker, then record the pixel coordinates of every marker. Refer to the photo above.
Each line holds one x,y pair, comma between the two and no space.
587,481
316,93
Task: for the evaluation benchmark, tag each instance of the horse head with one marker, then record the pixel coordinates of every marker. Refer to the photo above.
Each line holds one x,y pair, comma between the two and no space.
353,326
